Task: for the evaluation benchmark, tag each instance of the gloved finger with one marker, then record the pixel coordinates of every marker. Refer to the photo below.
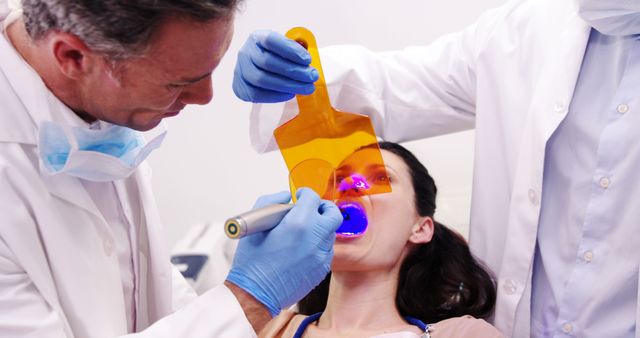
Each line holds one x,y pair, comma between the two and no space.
330,220
260,78
278,65
254,58
331,215
305,208
282,197
281,45
249,93
255,239
308,194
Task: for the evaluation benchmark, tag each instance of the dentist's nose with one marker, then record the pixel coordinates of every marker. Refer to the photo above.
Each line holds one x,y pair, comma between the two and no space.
200,92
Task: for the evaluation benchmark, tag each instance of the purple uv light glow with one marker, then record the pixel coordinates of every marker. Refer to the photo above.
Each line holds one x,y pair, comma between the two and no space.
355,181
355,220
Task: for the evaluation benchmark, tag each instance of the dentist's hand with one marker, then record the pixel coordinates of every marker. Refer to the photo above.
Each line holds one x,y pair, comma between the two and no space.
280,266
272,68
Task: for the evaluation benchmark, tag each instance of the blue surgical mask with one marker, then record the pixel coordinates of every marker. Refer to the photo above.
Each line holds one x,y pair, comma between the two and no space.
104,155
612,17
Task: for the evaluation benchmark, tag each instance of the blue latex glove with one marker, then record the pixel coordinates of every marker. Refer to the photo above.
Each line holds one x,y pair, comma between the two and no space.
272,68
280,266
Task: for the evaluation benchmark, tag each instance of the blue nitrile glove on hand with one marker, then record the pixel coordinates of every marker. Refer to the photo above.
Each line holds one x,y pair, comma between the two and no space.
272,68
280,266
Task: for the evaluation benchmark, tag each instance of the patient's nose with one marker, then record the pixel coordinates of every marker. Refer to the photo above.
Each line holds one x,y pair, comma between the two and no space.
354,184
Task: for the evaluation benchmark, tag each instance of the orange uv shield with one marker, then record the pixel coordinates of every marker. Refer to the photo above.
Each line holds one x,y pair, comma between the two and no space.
320,139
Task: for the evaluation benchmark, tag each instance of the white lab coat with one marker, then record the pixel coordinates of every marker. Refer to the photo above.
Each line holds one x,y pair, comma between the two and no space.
512,74
59,276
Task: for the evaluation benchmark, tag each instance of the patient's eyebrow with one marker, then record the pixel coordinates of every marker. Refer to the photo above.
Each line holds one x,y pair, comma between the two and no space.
376,166
371,167
345,167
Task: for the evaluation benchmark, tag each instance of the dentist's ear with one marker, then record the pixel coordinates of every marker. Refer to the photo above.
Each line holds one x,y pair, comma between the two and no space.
72,56
422,231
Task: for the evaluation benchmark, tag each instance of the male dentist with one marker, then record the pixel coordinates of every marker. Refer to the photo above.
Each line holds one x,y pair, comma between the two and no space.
81,251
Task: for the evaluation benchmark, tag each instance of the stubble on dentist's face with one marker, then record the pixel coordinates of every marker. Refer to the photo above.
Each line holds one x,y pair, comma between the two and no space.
173,73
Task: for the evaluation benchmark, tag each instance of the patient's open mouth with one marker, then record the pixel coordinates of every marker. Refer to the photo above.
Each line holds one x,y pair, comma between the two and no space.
355,220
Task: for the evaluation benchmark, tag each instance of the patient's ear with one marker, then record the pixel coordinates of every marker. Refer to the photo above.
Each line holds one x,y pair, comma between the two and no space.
422,231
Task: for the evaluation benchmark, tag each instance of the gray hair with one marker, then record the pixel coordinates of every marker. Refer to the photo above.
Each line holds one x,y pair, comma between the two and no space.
119,29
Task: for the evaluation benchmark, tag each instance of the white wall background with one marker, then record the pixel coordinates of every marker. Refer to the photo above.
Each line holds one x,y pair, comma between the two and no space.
207,170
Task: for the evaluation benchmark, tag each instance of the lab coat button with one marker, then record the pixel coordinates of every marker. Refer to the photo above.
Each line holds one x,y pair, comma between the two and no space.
605,182
108,246
567,328
558,107
533,197
623,108
588,256
509,287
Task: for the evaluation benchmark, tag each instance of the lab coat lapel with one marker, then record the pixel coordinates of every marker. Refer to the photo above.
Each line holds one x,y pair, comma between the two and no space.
32,257
154,275
557,83
549,107
71,190
81,252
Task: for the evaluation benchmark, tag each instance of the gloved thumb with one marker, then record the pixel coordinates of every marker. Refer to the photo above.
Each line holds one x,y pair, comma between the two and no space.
331,216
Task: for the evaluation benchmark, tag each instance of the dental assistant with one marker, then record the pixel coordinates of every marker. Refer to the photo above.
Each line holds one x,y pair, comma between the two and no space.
81,245
552,88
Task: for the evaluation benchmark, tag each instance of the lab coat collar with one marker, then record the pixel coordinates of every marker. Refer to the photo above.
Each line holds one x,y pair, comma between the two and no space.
34,96
24,83
20,124
4,10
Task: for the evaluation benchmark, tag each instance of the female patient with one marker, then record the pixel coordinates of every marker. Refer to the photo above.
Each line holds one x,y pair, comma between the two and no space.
404,271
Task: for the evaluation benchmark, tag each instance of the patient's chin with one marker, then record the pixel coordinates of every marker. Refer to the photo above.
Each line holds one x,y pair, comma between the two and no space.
345,262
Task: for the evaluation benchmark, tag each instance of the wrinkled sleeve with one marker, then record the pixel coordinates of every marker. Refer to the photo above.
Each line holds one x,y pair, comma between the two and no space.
414,93
27,313
216,313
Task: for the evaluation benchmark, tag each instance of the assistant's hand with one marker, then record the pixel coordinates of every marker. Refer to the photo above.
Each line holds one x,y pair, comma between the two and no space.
280,266
272,68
